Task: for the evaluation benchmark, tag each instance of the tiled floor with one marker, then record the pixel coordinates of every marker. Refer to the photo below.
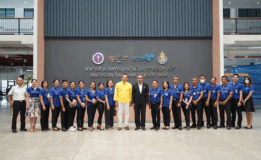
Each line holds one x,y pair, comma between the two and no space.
124,145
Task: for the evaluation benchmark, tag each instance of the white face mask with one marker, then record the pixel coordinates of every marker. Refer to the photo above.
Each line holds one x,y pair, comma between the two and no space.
247,81
202,81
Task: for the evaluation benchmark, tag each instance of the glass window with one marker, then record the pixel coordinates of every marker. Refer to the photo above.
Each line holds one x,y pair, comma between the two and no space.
242,13
10,12
249,13
2,12
226,13
28,12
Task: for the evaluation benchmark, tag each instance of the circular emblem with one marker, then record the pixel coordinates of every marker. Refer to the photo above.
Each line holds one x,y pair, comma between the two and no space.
98,58
162,58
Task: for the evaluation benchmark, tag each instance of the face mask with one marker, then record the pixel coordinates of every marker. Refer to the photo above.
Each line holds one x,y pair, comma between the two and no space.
247,81
202,81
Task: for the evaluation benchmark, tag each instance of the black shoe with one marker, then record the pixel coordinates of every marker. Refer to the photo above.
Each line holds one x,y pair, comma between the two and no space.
14,130
180,128
64,129
99,128
175,127
153,127
208,126
211,125
185,127
193,126
233,125
80,129
215,126
143,128
249,128
137,128
199,127
228,127
157,128
188,128
84,128
221,126
238,127
48,129
24,129
202,125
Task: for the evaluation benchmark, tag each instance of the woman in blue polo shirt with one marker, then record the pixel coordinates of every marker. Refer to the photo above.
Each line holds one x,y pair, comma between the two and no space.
110,103
100,104
43,96
167,103
186,104
81,105
247,101
91,104
33,104
71,99
55,103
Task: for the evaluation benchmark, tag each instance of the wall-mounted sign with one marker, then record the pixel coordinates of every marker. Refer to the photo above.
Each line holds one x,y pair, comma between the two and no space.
98,58
162,58
147,58
119,59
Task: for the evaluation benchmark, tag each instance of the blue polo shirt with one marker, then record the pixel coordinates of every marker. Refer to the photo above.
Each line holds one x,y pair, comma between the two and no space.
206,89
81,94
110,94
62,93
101,95
176,90
237,88
246,89
195,92
225,91
155,95
43,93
71,94
33,92
186,97
54,93
91,96
214,91
166,97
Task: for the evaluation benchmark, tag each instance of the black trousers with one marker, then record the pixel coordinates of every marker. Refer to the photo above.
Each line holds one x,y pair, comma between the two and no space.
80,116
91,110
234,109
71,115
207,110
155,114
213,111
199,111
222,109
176,113
186,114
166,116
55,115
18,106
100,107
44,117
109,116
65,115
140,115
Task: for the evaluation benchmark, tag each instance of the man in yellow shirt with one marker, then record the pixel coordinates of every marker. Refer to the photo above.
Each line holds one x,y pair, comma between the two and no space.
122,98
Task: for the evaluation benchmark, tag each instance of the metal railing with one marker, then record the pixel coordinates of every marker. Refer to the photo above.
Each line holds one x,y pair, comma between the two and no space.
242,25
16,26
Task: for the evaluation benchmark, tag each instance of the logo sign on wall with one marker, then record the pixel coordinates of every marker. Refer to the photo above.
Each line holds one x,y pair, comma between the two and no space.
98,58
147,58
162,58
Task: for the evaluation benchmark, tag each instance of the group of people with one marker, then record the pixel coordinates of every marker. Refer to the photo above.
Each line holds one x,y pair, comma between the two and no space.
232,98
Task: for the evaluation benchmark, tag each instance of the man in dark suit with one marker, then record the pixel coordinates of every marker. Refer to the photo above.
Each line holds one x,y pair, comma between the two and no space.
140,99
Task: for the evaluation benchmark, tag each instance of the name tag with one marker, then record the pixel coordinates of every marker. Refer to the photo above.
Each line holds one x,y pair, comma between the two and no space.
166,94
186,99
236,91
155,95
194,93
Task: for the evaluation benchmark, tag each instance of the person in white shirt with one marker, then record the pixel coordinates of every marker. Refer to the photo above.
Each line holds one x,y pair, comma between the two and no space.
18,92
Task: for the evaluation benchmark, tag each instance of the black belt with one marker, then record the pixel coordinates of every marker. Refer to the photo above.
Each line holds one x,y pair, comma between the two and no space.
155,102
19,101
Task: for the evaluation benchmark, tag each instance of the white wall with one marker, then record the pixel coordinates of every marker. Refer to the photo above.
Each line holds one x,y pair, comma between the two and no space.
230,39
19,5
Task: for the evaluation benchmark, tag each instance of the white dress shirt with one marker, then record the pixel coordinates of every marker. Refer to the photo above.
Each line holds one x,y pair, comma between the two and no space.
18,93
140,87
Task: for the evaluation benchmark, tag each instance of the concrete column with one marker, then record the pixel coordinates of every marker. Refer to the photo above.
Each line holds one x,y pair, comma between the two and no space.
19,72
233,14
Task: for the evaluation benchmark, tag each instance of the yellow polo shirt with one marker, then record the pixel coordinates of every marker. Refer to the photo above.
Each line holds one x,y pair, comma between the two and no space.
123,92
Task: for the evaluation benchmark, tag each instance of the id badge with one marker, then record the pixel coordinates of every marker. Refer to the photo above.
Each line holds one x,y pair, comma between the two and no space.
194,93
155,95
48,95
235,90
186,99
